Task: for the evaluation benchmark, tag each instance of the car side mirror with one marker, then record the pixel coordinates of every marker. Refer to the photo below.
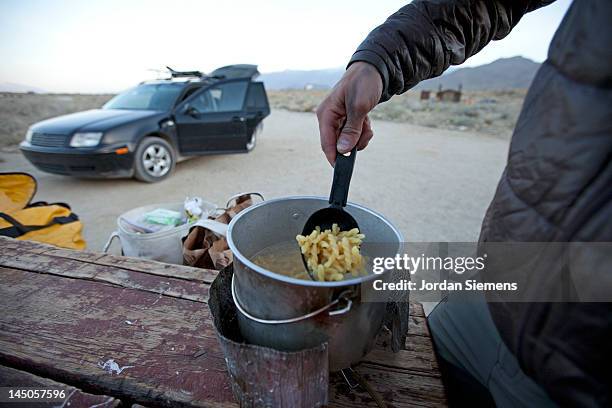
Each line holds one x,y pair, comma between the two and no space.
190,110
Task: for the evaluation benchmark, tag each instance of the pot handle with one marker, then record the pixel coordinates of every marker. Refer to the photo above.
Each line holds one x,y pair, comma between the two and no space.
215,226
113,235
345,309
343,297
235,196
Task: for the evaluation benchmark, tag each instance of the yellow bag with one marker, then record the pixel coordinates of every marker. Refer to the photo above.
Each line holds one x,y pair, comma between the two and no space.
51,223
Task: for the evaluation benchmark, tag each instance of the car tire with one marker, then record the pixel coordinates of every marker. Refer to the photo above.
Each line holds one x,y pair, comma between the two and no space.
251,144
154,160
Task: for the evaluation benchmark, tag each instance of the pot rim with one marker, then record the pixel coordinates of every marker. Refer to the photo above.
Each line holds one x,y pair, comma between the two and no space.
302,282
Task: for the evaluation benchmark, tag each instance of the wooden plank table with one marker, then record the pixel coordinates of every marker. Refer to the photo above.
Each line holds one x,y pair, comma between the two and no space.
77,398
66,314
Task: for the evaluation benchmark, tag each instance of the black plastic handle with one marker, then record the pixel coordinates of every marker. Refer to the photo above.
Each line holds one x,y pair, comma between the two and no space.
343,171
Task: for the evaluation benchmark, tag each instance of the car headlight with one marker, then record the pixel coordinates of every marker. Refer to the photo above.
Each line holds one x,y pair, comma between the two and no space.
28,136
87,139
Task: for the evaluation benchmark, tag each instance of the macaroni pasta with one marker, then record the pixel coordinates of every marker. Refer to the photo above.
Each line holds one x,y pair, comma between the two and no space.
331,254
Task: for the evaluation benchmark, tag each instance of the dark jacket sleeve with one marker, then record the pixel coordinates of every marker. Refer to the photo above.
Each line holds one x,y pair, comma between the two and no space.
424,38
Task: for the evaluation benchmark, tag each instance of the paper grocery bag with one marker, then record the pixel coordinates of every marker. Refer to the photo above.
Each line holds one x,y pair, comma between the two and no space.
203,248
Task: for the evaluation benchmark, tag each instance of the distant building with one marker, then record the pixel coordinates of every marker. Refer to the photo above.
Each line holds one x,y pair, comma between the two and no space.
312,86
448,95
425,95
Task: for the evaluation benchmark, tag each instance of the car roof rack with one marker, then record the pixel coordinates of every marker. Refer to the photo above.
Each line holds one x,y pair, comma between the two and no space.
174,74
185,74
227,72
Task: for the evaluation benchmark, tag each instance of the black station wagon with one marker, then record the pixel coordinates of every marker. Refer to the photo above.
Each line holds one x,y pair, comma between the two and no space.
143,131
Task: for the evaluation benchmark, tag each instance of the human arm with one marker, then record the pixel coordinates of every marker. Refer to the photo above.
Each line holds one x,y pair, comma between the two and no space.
419,41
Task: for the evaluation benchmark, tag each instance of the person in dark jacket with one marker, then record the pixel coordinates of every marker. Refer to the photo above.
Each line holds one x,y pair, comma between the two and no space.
556,187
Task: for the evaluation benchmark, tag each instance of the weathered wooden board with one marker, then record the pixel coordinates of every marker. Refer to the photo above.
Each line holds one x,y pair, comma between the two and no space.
395,387
387,373
187,286
10,377
67,328
65,313
417,357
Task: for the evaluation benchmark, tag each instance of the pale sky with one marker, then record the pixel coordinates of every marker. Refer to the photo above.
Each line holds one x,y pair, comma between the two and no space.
108,45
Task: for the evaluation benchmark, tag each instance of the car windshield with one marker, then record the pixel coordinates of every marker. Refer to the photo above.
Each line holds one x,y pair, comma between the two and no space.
159,97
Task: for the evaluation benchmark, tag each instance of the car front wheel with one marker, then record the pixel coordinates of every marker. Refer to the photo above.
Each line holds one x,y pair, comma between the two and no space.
154,160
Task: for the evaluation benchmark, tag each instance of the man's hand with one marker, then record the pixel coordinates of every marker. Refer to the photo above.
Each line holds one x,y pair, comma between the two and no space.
352,98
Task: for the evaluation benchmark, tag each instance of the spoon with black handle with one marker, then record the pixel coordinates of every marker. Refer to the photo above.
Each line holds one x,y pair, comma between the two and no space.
334,214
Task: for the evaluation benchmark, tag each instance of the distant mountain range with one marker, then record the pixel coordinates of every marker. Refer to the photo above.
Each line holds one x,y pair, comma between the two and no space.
297,79
505,73
20,88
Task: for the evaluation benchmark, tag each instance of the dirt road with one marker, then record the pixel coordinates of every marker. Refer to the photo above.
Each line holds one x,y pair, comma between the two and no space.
435,185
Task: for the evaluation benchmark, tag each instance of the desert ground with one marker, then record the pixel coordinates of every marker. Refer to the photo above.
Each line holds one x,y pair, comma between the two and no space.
491,113
433,184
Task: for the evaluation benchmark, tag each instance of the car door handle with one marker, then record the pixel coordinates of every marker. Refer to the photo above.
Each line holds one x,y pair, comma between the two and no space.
238,119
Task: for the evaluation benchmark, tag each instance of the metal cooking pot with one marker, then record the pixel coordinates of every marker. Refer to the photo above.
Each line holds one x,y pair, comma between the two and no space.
291,314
